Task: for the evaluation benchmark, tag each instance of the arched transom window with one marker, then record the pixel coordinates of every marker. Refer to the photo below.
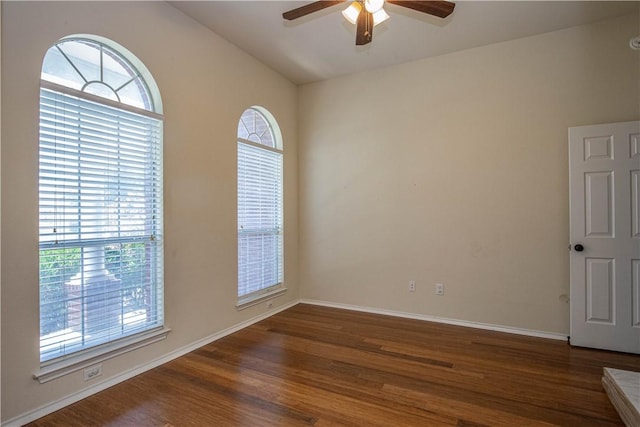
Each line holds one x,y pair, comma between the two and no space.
95,68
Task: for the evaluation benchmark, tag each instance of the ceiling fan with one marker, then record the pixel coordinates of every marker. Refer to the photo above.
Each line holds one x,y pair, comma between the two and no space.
366,14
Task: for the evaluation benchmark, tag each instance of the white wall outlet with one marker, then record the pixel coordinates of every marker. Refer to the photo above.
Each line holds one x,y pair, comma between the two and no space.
269,305
439,288
412,285
92,372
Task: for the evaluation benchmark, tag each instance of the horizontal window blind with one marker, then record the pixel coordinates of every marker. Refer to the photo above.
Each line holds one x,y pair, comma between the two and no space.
260,237
100,228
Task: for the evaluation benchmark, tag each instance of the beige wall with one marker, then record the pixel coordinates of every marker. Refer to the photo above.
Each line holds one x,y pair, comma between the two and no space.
205,84
0,203
454,169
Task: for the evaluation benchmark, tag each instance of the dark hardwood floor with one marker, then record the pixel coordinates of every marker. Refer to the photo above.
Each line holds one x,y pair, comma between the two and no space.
324,366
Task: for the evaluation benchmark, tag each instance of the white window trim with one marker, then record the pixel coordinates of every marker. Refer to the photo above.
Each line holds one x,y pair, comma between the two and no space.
254,299
95,98
76,361
261,146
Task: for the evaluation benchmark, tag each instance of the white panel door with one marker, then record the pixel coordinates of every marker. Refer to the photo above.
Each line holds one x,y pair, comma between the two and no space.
604,169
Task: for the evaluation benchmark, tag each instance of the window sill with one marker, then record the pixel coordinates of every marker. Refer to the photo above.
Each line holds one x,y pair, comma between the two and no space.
257,299
75,363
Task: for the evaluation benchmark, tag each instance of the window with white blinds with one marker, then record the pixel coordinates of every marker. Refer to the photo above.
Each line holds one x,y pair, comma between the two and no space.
100,204
260,219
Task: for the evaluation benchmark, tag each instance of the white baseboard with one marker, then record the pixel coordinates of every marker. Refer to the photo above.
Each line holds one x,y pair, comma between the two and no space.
75,397
425,317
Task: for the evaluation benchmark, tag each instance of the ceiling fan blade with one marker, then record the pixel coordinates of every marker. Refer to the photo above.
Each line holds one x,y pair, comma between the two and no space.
441,9
309,8
364,28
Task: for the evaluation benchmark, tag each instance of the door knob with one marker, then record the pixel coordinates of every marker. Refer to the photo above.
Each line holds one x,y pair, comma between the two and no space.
578,248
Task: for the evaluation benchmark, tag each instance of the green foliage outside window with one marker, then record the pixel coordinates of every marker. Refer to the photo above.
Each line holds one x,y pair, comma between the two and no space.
127,262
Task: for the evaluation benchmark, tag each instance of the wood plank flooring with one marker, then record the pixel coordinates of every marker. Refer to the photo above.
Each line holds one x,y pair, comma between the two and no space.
311,365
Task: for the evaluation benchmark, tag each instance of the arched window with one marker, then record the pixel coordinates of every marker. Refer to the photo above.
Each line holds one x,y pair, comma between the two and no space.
260,219
100,198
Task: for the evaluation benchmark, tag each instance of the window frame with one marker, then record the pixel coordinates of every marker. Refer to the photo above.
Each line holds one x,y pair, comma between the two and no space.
65,363
252,298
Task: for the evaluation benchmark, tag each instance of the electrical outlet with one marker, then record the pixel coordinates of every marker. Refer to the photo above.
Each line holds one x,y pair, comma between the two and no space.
92,372
412,285
269,305
439,288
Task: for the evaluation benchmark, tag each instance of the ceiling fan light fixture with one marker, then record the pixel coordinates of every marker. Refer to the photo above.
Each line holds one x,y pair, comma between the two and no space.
351,13
373,6
379,17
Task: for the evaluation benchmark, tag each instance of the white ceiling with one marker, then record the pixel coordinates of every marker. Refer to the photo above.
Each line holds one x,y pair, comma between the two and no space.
322,45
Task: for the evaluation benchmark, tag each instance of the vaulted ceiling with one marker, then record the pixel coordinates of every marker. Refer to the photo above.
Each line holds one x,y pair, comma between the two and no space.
321,45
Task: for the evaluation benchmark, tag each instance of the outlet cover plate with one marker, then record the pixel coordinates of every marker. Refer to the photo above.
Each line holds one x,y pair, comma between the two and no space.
92,372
